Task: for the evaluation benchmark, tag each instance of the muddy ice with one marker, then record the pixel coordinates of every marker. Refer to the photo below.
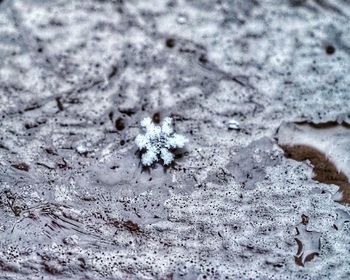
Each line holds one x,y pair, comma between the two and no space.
260,89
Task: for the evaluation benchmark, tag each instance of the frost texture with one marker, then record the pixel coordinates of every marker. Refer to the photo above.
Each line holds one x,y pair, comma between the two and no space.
158,140
85,210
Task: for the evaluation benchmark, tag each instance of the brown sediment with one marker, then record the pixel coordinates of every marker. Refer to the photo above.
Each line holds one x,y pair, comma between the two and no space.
21,166
299,259
325,170
324,125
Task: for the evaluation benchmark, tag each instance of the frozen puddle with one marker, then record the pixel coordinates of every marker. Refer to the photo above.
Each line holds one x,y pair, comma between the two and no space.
308,243
326,146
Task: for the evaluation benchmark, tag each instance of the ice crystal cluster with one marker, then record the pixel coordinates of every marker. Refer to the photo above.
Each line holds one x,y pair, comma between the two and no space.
158,141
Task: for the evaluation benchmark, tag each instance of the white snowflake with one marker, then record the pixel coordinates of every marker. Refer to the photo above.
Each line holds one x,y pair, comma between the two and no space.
158,140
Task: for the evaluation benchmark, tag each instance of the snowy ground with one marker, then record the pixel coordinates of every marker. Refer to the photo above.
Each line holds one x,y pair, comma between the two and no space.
76,79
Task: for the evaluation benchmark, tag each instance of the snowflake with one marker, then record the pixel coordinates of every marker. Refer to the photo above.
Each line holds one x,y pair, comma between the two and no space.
158,140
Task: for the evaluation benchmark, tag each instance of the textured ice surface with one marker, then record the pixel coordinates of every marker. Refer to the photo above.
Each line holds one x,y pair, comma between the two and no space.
77,77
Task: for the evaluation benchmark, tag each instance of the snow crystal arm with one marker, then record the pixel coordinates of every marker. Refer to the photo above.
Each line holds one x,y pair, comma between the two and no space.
177,141
149,157
167,128
141,141
166,156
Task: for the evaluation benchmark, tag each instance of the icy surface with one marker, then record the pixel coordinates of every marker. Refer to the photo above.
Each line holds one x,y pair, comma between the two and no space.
76,79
